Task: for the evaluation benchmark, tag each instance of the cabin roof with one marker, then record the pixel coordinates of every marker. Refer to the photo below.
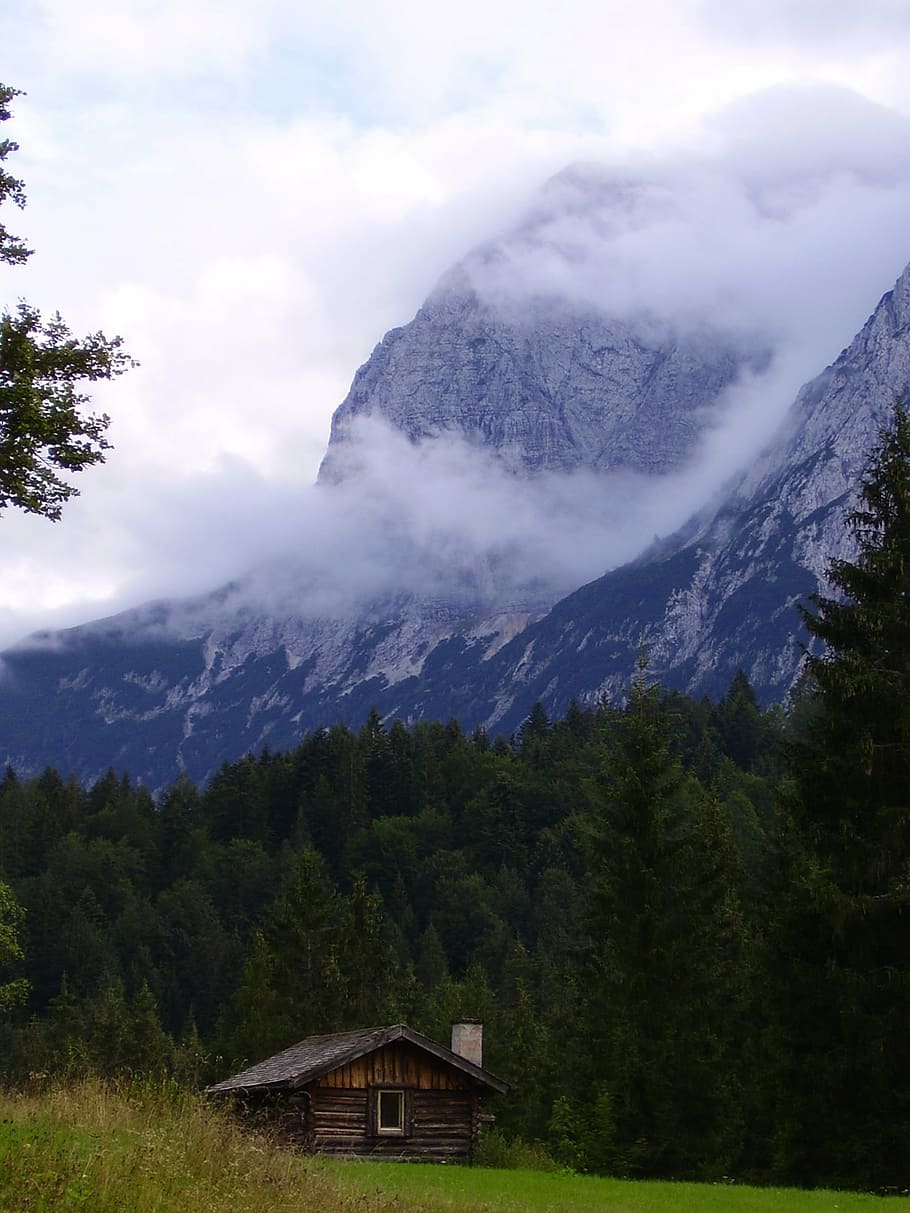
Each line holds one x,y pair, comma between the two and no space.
318,1055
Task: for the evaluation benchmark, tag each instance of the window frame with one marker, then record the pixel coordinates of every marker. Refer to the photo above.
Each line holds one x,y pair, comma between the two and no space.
405,1127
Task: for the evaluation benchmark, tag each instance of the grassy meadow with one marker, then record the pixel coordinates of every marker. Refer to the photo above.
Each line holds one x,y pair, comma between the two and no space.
91,1147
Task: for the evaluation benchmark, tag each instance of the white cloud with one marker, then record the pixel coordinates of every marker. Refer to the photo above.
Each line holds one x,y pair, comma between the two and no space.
154,37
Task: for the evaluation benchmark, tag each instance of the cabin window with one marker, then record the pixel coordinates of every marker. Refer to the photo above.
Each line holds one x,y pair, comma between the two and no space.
390,1112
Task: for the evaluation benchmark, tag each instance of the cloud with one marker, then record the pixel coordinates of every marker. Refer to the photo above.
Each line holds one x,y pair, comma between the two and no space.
775,232
445,522
801,22
746,241
166,37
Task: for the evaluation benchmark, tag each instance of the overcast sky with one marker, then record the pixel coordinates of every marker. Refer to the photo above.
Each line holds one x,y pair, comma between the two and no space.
251,192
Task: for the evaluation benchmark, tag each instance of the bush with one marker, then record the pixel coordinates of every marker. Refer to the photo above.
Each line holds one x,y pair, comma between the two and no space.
511,1153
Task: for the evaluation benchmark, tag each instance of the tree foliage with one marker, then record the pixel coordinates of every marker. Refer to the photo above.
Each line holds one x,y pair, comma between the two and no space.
14,990
46,430
409,875
666,959
841,940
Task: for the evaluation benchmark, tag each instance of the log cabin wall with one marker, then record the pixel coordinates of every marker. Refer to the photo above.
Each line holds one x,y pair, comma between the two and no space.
442,1107
333,1115
443,1126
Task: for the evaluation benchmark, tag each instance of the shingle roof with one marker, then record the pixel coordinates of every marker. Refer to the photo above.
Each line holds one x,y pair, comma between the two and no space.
317,1055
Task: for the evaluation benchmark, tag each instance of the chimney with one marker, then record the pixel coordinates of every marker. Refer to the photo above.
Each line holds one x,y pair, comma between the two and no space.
467,1040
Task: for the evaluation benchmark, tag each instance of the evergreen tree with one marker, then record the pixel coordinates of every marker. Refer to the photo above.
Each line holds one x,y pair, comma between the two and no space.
738,725
534,735
190,1059
303,935
663,980
528,1056
255,1022
431,959
839,959
107,1030
64,1043
14,990
181,838
365,958
149,1049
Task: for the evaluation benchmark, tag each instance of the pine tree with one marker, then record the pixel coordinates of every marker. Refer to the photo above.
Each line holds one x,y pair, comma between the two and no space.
149,1048
107,1029
255,1022
191,1061
839,959
663,978
365,958
738,725
302,933
64,1045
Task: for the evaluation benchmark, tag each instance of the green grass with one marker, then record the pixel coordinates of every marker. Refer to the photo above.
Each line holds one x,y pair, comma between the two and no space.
476,1188
97,1149
89,1147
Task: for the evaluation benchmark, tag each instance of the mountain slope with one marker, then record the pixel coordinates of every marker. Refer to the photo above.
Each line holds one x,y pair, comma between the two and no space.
723,595
147,694
553,388
516,352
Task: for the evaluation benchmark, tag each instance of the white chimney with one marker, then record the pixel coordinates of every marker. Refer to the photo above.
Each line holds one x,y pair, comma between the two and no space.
467,1040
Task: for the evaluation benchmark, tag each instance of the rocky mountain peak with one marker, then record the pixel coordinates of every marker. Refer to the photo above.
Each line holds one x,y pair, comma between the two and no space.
506,355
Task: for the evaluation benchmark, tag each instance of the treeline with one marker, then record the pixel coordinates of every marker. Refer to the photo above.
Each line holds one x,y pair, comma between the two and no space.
596,890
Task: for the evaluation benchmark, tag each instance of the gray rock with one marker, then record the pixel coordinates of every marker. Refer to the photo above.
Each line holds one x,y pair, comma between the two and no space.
540,374
722,595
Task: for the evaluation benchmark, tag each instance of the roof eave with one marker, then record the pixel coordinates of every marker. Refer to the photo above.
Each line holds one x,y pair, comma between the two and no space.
397,1031
455,1059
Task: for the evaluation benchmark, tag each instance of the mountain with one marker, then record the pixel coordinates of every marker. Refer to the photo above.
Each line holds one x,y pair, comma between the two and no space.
722,594
505,356
187,685
554,387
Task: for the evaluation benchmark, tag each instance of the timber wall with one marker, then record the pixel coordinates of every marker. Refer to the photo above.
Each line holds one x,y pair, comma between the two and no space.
333,1114
443,1125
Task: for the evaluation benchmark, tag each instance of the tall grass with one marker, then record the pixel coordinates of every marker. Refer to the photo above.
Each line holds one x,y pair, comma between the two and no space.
89,1147
149,1149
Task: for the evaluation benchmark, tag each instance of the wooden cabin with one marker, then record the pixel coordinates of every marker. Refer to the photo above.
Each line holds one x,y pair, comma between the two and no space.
375,1093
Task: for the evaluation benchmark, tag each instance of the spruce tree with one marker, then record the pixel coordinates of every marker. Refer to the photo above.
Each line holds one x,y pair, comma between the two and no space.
255,1022
664,973
839,961
149,1048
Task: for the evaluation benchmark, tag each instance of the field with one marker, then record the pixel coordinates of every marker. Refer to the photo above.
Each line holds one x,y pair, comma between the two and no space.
152,1150
427,1187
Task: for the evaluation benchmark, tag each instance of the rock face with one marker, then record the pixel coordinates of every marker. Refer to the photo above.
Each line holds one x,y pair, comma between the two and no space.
187,686
722,595
155,695
515,351
551,389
